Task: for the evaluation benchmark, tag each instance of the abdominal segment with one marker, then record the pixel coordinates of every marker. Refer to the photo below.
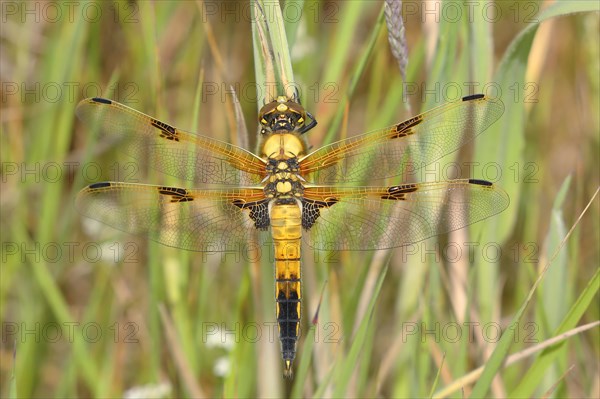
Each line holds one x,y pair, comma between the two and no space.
287,231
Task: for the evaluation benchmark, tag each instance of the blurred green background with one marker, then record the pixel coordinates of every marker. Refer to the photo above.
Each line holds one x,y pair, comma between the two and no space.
91,311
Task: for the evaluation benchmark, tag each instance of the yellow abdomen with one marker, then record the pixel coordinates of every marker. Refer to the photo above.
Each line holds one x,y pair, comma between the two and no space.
286,227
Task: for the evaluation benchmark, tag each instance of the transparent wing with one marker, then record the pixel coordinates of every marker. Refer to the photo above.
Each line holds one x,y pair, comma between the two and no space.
367,218
170,150
402,149
196,220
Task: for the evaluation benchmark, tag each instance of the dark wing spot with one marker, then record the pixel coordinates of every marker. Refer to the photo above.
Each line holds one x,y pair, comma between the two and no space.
101,100
168,131
311,210
239,203
404,128
259,212
398,193
172,190
473,97
177,194
103,184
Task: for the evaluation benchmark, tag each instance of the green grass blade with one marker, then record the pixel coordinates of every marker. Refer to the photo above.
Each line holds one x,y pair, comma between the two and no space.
553,298
354,79
293,11
495,361
505,138
55,147
537,371
341,46
346,370
304,364
272,60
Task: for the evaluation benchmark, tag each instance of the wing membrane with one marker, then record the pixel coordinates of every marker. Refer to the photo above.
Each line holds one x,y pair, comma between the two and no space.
170,150
196,220
402,149
367,218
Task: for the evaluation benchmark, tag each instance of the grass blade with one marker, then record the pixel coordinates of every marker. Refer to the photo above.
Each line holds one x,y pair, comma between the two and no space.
495,361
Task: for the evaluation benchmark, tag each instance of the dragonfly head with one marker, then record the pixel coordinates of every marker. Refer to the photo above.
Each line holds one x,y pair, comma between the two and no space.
284,116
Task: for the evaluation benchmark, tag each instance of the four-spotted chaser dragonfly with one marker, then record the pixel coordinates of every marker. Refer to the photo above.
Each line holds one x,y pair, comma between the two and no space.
328,197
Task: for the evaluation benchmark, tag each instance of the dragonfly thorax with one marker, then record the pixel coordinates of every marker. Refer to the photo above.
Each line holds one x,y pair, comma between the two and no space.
283,180
282,147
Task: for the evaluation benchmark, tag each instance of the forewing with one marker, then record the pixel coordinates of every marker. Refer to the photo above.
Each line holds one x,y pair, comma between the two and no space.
404,148
368,218
170,150
196,220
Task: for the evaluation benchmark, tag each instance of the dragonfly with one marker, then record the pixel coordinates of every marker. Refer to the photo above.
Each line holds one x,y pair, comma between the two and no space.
337,197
